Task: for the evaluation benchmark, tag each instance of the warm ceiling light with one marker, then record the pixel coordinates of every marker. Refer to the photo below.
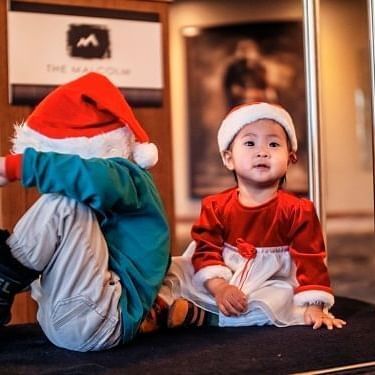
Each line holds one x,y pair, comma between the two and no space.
190,31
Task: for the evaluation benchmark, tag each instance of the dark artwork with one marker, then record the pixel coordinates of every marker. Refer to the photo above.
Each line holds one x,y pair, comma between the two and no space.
229,65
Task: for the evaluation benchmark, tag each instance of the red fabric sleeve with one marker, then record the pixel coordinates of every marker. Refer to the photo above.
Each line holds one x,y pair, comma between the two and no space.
207,233
308,250
13,167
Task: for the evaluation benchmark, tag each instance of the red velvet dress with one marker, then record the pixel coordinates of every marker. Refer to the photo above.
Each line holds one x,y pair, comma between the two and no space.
274,253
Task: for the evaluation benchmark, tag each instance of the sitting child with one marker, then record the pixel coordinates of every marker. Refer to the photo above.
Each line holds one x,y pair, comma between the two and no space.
96,242
258,255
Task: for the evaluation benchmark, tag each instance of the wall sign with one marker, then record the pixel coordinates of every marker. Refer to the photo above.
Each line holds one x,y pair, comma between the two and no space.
49,45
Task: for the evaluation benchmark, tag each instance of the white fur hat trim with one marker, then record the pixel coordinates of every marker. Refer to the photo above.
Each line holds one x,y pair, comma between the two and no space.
248,113
116,143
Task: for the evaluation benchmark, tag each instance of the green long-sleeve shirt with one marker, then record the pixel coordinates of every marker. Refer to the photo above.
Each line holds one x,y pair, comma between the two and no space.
130,214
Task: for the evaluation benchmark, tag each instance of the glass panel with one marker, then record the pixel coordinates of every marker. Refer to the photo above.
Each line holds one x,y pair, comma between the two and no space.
347,166
210,42
345,85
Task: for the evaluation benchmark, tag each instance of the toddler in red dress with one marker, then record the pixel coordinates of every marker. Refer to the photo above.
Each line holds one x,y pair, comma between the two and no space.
258,253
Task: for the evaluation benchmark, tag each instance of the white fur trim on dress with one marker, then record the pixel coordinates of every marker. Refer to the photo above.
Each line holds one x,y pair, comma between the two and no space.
311,296
210,272
246,114
116,143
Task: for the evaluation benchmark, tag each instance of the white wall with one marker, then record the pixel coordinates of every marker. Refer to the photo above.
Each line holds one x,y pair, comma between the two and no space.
344,54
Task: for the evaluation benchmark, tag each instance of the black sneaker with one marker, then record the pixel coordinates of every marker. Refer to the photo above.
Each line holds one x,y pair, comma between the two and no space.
14,277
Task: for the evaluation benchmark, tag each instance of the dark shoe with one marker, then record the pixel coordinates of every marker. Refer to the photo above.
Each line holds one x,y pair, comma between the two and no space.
14,277
184,313
156,319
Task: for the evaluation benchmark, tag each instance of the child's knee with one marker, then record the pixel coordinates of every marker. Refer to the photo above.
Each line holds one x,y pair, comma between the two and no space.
76,324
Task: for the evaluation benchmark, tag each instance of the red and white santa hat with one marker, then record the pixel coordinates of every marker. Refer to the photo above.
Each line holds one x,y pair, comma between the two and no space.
88,117
245,114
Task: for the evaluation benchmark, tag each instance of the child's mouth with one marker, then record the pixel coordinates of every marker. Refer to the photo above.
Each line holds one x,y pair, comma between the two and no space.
261,166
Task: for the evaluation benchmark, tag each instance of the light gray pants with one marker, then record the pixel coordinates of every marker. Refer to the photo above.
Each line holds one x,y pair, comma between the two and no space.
77,296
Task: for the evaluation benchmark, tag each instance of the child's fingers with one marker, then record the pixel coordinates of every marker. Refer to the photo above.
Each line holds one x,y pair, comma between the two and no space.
230,308
239,304
318,323
238,308
234,311
227,309
343,322
235,301
329,322
339,323
223,309
333,323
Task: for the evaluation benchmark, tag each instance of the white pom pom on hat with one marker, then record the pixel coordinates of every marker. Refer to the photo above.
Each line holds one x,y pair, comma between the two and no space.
145,154
87,112
245,114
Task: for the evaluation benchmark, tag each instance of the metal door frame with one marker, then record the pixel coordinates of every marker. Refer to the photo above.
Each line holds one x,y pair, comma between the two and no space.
311,30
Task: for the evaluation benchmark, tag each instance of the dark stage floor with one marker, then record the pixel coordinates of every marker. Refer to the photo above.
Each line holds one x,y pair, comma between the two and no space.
211,350
208,350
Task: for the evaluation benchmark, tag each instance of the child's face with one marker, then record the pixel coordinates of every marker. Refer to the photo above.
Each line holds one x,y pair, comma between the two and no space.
259,153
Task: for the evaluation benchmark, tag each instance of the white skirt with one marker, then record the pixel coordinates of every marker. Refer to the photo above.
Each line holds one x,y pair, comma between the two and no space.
268,281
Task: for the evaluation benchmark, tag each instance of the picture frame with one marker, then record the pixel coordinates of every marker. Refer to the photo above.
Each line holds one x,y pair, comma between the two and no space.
230,64
50,44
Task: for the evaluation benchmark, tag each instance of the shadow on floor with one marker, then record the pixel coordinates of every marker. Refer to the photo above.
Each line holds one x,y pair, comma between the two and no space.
351,262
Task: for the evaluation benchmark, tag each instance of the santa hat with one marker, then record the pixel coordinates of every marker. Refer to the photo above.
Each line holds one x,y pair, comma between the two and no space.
89,117
244,114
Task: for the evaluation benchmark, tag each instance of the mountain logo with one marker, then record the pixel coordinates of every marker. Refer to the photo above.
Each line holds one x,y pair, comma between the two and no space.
88,41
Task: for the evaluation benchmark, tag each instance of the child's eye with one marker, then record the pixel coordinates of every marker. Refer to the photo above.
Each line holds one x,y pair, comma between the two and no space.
274,144
249,143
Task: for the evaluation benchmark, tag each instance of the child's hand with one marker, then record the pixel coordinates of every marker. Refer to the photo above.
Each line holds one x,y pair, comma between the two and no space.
229,299
3,179
315,316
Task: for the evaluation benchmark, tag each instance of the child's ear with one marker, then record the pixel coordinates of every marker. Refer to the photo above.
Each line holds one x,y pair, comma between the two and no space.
293,157
228,160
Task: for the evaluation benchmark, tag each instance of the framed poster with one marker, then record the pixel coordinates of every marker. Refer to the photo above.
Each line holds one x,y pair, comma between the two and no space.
231,64
49,45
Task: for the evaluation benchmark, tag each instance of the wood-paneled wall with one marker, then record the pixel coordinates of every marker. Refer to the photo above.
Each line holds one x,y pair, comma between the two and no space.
14,199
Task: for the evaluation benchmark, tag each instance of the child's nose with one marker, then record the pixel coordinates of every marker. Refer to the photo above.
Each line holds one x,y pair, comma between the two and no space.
262,152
